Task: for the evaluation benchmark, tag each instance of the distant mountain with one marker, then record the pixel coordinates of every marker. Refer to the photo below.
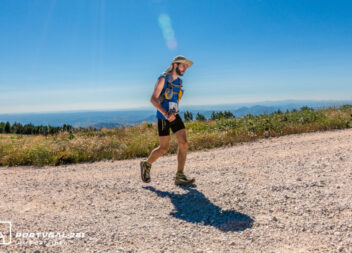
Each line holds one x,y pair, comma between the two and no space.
80,119
118,118
106,125
242,109
282,103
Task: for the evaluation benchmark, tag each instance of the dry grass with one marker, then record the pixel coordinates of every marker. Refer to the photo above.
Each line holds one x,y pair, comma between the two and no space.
138,141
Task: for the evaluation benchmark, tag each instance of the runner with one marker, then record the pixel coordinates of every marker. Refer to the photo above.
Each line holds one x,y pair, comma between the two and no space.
166,96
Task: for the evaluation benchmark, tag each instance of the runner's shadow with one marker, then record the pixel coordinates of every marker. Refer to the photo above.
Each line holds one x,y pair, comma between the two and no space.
194,207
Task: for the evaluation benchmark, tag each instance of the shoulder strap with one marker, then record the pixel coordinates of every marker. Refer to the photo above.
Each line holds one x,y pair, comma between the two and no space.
180,81
161,96
168,77
171,85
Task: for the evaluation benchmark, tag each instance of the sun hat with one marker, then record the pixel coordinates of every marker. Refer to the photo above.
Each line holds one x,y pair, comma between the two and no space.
179,59
182,59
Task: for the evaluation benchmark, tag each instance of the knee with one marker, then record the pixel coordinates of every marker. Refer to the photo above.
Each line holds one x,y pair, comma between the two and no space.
164,149
183,144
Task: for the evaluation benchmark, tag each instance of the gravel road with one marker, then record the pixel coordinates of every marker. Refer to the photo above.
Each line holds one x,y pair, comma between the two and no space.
286,194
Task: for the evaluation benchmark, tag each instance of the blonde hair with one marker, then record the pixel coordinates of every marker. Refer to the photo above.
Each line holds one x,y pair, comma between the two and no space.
169,69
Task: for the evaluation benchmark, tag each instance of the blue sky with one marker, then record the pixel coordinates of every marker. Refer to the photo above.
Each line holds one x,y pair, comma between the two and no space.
95,54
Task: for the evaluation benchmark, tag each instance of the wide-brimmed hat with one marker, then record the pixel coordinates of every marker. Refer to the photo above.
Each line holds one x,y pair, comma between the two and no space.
179,59
182,59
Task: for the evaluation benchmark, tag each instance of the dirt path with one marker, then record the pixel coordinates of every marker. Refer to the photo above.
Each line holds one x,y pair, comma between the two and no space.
287,194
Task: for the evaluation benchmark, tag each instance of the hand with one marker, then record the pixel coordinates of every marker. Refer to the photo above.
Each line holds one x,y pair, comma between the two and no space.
170,116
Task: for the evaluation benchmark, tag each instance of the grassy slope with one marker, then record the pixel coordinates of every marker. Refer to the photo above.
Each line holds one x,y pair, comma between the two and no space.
138,141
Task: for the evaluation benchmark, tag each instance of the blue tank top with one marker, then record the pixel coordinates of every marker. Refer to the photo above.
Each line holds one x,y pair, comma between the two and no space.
174,99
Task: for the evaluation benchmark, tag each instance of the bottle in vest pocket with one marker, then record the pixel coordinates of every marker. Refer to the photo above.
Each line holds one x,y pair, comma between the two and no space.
180,94
169,92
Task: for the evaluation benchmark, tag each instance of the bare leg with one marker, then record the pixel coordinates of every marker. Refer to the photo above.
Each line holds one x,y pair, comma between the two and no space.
159,151
182,149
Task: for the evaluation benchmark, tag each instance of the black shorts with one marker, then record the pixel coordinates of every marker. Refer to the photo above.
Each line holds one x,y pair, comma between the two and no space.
175,125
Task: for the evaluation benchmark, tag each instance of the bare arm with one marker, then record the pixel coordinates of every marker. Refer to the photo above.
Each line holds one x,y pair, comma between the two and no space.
155,97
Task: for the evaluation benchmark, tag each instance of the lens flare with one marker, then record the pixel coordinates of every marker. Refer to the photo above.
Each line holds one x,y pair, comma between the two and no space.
167,30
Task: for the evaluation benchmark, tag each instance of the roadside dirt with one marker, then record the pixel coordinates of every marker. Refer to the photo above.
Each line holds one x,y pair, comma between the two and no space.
286,194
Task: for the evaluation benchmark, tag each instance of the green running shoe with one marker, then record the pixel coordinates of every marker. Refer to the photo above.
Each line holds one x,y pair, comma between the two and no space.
145,171
181,179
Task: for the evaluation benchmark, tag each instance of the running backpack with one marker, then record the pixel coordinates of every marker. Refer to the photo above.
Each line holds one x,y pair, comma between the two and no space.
168,93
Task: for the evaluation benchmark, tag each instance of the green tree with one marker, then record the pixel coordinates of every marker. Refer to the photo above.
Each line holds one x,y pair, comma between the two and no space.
28,129
67,128
217,115
188,116
2,127
16,128
228,115
200,117
213,116
306,108
7,127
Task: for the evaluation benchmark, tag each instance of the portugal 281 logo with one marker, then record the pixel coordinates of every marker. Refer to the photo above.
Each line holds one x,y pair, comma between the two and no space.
5,232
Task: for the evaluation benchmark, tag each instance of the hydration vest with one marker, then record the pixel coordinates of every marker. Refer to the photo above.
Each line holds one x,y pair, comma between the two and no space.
170,96
168,92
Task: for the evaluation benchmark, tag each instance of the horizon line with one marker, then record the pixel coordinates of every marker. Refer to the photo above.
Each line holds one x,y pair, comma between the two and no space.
186,105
